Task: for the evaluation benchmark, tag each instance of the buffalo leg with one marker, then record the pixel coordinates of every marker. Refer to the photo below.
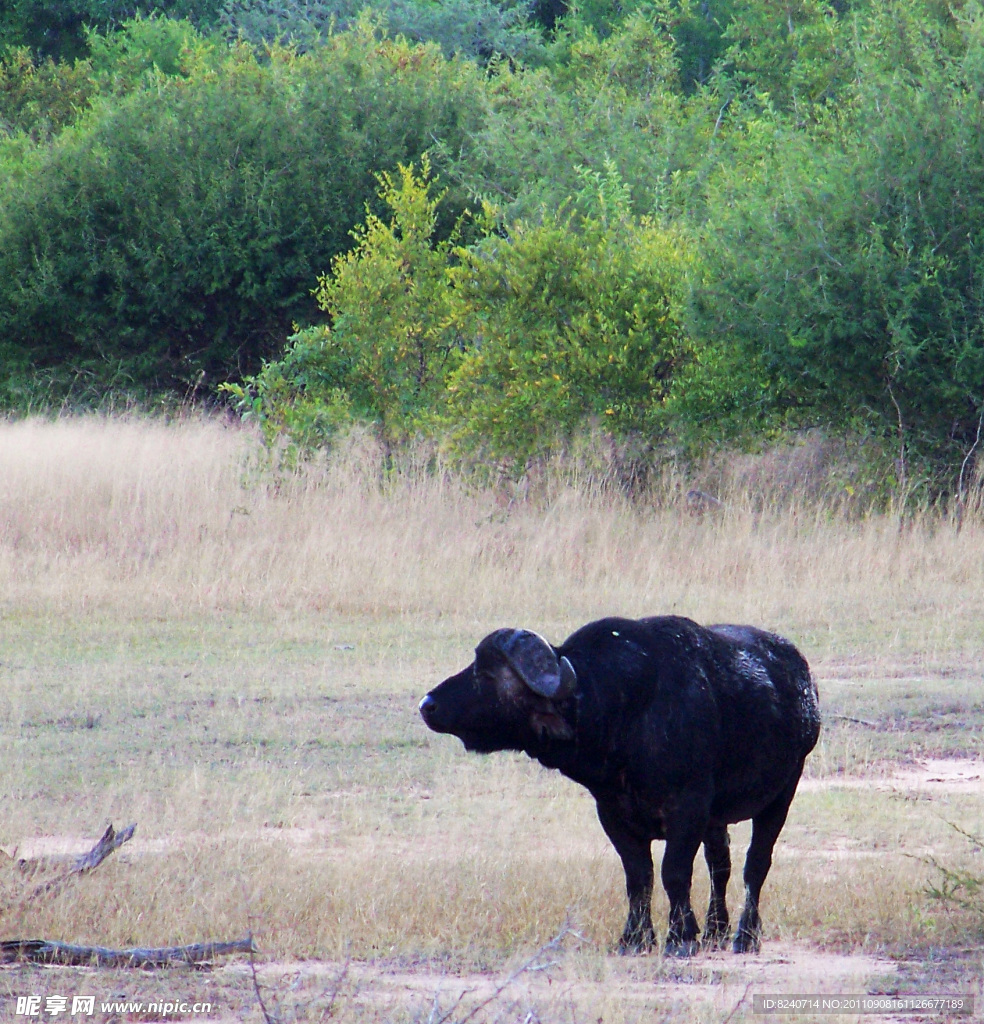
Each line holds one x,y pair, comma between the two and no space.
765,830
683,840
717,853
637,860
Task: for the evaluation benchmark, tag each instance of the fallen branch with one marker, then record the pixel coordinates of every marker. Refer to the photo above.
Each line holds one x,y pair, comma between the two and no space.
110,842
856,721
40,951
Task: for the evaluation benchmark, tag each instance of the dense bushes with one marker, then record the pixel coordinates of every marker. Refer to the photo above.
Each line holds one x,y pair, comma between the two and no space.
59,28
178,230
702,222
467,28
845,266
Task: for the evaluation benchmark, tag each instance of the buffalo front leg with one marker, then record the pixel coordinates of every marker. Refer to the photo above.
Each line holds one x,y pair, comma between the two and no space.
765,830
636,854
717,853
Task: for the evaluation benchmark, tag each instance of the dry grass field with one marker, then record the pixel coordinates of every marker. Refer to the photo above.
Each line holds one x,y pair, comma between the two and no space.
232,659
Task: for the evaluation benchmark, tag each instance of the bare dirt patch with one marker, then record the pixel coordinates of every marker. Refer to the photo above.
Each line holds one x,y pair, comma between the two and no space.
931,775
579,986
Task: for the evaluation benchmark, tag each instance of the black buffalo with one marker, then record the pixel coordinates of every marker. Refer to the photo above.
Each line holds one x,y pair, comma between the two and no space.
677,731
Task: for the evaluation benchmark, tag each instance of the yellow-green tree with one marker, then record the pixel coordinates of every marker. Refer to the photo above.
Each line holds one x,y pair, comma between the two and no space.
571,320
501,348
390,342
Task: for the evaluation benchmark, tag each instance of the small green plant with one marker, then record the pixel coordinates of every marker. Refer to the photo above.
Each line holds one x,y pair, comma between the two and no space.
959,887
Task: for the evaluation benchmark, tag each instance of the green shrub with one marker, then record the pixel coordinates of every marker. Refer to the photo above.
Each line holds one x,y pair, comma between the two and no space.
572,320
40,98
390,345
844,268
176,232
60,28
617,101
501,348
163,46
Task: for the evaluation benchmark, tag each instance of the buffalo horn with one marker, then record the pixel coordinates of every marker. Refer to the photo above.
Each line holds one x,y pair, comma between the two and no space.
535,662
568,678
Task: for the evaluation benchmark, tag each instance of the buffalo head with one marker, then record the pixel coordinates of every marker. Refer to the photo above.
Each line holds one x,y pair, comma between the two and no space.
510,695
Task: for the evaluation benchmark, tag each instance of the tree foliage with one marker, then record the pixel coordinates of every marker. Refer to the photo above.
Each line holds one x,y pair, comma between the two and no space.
846,270
570,321
390,342
468,28
500,347
40,96
60,28
702,220
177,231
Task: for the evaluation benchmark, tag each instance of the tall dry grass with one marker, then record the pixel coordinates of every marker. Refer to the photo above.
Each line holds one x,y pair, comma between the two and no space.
293,789
141,517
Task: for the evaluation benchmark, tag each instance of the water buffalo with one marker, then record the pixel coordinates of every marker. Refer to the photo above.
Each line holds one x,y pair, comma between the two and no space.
677,730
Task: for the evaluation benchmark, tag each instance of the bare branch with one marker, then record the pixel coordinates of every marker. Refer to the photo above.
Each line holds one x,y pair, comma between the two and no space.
110,842
336,986
961,484
856,721
529,965
720,117
734,1009
901,461
256,986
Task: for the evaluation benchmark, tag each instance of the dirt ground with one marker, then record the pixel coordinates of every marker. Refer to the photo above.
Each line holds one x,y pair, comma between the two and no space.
708,987
566,984
925,775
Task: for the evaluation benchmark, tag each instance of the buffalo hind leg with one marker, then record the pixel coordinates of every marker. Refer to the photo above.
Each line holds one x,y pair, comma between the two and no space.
683,839
637,859
717,853
766,827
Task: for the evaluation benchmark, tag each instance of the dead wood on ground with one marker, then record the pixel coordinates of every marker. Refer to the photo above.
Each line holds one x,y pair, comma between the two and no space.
110,841
41,951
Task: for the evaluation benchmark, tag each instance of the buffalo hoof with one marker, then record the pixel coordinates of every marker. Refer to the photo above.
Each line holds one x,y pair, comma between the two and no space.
716,939
636,945
747,942
682,950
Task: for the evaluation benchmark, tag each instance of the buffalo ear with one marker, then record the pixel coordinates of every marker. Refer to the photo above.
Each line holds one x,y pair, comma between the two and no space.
534,661
549,723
